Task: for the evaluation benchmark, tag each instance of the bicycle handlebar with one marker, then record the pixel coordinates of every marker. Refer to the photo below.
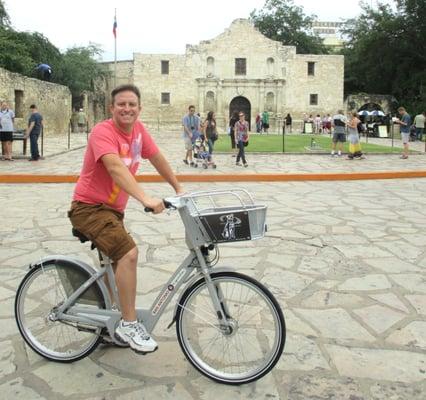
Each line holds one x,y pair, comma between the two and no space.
166,203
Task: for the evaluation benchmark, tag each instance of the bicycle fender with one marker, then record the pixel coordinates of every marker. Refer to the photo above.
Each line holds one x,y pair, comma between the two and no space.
194,279
61,259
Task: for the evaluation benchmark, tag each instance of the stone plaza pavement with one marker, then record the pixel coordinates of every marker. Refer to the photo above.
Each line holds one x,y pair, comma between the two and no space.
171,145
345,259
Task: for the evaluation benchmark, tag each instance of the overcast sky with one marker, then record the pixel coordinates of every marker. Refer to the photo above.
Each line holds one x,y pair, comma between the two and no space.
148,26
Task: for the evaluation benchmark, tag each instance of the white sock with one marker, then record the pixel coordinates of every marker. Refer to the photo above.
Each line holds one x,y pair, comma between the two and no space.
332,152
340,153
127,323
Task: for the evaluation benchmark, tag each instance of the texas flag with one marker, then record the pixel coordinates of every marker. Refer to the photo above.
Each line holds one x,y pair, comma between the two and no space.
114,27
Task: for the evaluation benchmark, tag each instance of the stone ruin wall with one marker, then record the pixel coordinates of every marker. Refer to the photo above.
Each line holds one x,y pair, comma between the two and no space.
52,100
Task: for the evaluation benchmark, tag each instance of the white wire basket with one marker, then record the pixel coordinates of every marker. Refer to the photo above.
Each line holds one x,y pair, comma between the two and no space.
226,216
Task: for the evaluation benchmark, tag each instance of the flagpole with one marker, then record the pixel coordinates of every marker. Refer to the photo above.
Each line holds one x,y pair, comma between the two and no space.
115,50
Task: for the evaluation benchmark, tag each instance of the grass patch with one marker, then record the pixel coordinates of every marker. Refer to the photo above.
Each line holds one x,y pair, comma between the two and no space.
294,144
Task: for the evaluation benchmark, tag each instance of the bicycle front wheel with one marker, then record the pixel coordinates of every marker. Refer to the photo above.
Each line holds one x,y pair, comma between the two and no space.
44,288
244,349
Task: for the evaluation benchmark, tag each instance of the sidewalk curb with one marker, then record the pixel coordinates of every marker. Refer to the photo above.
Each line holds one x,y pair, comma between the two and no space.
154,178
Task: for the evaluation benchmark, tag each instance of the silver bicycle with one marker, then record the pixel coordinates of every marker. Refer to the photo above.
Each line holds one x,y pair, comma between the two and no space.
229,326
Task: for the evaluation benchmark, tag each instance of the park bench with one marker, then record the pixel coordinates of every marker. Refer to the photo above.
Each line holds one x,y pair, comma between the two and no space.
19,134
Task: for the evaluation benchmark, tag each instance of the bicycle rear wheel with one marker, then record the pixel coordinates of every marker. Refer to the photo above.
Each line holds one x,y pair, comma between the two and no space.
45,287
250,348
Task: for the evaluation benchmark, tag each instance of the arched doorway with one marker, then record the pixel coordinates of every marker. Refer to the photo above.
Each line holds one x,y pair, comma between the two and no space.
240,103
370,107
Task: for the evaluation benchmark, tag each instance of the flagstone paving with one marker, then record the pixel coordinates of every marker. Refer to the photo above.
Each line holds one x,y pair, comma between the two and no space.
346,261
172,146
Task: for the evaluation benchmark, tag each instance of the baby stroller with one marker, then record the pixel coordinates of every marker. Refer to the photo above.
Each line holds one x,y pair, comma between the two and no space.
202,155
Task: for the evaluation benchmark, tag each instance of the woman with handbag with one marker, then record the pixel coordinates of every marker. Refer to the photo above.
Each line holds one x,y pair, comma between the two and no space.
210,132
241,138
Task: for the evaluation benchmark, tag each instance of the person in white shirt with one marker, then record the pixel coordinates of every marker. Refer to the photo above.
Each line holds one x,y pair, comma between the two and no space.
419,123
7,118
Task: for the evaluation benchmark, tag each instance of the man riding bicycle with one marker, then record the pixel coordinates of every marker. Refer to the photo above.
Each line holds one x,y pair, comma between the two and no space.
106,181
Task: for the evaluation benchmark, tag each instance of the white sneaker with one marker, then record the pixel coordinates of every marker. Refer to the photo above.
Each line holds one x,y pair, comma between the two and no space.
135,334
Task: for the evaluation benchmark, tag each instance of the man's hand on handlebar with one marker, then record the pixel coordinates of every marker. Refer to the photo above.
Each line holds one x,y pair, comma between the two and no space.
153,205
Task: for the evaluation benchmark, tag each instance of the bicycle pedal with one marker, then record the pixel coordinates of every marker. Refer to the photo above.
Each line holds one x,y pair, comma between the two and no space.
108,341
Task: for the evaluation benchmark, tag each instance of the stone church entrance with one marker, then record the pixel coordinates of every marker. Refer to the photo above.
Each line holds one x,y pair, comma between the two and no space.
240,103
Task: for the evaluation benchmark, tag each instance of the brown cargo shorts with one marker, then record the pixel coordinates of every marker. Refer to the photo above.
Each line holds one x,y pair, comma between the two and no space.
103,226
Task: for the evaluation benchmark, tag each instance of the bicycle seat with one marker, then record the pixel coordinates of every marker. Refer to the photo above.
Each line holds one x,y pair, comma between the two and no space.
82,237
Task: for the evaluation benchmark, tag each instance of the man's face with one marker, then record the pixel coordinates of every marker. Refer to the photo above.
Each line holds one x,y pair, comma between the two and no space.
192,111
125,110
401,112
3,105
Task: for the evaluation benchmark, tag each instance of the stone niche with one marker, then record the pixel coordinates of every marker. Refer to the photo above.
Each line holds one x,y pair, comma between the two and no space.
52,100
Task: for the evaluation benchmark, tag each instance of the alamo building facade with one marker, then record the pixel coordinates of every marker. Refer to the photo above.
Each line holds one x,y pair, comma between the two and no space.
239,70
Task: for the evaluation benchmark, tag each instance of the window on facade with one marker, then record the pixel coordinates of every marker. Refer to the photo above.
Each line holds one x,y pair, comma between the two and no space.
165,98
311,68
210,103
164,67
210,66
270,98
240,66
270,65
19,104
313,99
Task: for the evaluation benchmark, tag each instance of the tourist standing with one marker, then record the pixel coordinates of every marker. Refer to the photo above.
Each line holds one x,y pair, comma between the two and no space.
317,124
265,121
419,123
405,124
353,138
232,121
339,135
7,118
288,123
81,121
210,130
241,138
35,126
258,123
191,129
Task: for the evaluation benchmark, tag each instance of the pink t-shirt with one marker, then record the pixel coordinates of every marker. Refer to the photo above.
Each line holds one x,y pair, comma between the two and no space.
95,185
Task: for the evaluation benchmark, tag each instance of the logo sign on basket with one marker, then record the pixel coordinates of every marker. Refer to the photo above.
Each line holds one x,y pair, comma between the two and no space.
231,222
227,227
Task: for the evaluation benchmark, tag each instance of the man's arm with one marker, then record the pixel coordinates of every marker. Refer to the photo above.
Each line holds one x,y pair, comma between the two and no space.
29,129
126,181
186,128
163,167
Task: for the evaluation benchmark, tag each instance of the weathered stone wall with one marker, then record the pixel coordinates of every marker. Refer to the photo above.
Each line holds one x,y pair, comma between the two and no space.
276,79
52,100
387,103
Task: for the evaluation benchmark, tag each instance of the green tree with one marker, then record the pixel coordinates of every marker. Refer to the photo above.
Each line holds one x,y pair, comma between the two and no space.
22,51
4,16
285,22
385,52
79,69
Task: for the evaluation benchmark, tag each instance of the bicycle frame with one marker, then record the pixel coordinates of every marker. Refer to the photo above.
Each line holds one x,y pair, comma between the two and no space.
93,318
195,237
